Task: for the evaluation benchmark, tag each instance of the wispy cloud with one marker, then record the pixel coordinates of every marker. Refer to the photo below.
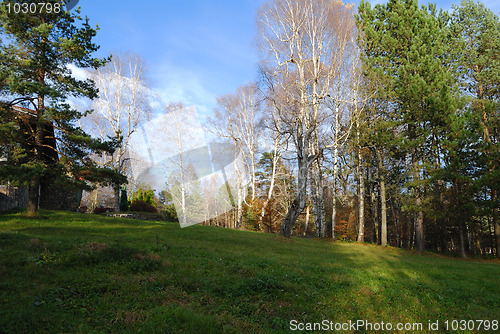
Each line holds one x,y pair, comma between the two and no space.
173,84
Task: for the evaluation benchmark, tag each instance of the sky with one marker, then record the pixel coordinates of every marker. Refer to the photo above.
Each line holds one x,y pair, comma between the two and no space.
195,50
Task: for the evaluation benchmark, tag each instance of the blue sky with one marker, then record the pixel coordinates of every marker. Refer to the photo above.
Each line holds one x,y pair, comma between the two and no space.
196,50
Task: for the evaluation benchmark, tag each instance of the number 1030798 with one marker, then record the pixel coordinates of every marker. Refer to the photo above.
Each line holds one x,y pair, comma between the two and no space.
471,325
33,8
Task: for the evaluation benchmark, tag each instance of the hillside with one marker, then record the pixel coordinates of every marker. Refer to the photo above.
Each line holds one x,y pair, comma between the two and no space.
66,272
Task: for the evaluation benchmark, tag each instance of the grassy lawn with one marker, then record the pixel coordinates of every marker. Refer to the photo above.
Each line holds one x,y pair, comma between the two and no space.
66,272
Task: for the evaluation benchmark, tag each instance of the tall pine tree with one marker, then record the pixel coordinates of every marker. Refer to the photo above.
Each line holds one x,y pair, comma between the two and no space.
476,32
44,142
403,46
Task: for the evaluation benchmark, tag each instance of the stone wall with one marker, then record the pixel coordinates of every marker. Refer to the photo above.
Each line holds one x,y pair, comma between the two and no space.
11,197
6,202
58,197
141,216
51,198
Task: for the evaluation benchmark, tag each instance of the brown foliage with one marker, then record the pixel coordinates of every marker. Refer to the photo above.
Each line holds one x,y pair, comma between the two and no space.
142,206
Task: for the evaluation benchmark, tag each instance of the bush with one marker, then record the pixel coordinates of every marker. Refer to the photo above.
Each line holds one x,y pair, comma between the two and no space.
147,196
103,210
141,206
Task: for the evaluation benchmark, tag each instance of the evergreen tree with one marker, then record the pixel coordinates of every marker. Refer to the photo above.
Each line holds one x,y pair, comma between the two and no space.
404,46
123,200
149,196
167,206
34,59
476,33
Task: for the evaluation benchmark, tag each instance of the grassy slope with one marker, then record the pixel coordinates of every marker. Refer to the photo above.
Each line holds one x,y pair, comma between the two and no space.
79,273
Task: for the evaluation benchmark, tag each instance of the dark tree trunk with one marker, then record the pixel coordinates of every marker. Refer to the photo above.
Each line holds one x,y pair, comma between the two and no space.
419,228
419,223
396,225
33,195
496,223
117,198
34,189
463,251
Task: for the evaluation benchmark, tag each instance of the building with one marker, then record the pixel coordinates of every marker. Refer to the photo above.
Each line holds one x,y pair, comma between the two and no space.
52,196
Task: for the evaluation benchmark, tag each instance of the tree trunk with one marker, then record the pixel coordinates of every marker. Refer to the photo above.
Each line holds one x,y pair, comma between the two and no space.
396,225
183,204
271,188
419,222
314,196
239,218
419,227
33,194
383,210
34,189
319,204
463,252
307,220
374,205
335,167
496,223
334,186
361,189
299,202
361,227
117,198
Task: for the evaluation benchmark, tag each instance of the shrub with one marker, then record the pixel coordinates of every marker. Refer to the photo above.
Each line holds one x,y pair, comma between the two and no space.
141,206
147,196
103,210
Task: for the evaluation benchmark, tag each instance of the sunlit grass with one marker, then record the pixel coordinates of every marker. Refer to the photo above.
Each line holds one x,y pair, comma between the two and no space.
66,272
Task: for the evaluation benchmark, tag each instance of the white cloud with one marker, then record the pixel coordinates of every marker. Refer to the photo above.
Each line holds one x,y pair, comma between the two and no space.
182,85
192,89
78,73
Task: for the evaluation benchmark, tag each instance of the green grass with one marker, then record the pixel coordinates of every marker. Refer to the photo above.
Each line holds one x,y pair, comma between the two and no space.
66,273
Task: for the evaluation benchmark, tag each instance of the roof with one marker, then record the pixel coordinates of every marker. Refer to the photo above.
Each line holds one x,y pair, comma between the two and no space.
24,111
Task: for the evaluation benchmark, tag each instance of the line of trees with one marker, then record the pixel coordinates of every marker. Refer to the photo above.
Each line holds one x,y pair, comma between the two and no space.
382,124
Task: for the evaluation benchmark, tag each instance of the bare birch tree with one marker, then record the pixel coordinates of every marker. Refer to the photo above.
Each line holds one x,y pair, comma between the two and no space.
237,117
297,39
272,127
123,103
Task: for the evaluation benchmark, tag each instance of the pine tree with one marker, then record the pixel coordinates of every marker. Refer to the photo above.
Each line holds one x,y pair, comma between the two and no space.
403,46
476,30
123,200
34,59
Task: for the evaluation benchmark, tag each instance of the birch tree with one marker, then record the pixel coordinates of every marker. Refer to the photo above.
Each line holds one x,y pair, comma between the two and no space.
345,100
123,103
237,118
297,42
272,132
